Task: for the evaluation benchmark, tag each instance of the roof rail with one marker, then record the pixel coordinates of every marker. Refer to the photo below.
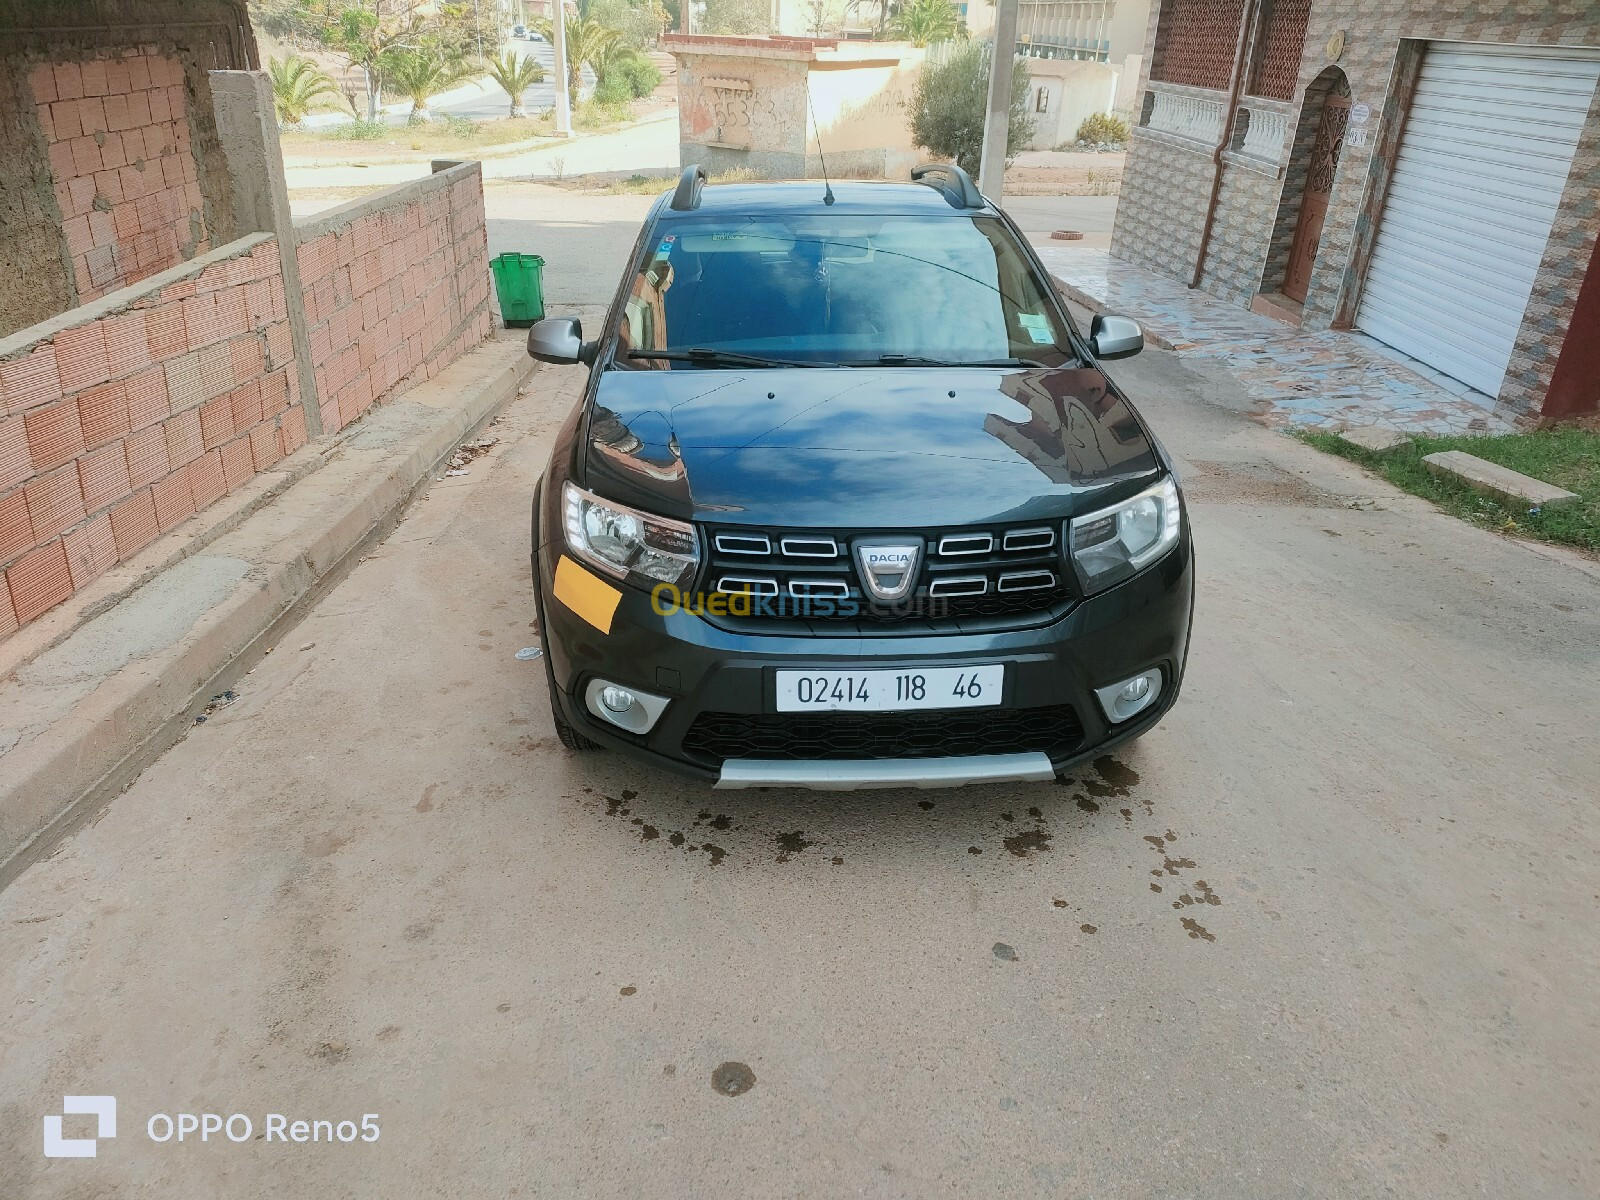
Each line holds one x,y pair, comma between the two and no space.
686,197
950,179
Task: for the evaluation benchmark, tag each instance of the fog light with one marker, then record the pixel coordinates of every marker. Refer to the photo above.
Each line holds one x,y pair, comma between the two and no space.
626,708
1130,697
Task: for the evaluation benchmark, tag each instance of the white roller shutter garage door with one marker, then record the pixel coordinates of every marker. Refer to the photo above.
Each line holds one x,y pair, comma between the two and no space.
1483,161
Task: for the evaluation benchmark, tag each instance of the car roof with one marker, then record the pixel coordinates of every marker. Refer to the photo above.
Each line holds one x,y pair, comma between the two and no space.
878,198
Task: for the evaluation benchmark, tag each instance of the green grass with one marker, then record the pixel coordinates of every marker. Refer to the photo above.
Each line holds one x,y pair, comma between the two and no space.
1568,457
444,133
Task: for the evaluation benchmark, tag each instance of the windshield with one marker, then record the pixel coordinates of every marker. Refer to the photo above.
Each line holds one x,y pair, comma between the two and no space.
856,290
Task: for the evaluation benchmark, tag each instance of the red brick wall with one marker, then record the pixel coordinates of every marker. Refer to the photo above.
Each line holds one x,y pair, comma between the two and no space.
125,175
396,288
119,425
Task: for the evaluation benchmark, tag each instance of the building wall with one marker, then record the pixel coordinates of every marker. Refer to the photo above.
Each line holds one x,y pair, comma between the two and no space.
750,103
396,287
110,167
1168,179
1075,89
1099,30
121,157
123,418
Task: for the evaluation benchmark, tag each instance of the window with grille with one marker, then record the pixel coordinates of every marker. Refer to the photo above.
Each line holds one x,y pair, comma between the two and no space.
1195,42
1279,49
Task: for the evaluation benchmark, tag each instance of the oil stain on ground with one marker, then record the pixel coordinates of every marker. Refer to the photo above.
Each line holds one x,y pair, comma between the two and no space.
1024,844
790,844
732,1079
617,806
1199,893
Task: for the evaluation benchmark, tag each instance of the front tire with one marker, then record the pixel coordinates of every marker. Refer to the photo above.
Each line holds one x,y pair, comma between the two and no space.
570,737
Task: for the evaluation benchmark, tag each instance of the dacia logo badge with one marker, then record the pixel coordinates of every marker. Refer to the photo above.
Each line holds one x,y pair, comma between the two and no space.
888,569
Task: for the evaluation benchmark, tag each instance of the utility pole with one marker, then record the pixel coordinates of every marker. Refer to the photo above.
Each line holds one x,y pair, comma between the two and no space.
997,117
558,30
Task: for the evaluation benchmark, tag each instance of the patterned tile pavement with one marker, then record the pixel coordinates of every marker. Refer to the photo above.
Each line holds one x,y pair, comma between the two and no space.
1325,380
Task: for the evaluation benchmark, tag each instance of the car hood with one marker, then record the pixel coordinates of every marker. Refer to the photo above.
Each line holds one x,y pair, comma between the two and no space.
889,447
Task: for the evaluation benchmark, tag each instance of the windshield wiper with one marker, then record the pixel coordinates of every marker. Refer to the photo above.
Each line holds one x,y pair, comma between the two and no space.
917,360
722,358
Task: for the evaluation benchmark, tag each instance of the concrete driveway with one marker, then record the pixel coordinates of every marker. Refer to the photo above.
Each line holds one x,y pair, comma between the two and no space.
1330,931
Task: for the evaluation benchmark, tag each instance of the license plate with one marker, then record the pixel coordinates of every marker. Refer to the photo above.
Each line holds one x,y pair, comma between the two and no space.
892,690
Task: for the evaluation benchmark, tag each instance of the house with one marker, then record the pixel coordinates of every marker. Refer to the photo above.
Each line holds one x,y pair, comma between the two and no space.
1419,171
1083,57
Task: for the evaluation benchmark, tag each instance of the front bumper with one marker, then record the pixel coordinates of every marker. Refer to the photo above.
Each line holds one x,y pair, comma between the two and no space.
702,668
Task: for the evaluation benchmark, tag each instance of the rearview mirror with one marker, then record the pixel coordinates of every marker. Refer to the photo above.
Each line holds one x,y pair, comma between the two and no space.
1115,337
558,340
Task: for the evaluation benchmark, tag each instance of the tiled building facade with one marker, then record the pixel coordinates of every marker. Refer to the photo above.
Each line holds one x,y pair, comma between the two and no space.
1370,51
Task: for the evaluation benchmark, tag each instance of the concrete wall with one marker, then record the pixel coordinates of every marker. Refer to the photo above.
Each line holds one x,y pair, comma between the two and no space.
396,287
124,417
1074,90
748,103
110,167
1168,176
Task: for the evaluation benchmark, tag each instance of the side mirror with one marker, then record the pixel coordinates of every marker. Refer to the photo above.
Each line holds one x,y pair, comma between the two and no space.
558,340
1114,337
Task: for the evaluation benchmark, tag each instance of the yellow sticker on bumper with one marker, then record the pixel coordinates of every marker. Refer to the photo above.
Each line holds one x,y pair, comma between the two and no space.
590,597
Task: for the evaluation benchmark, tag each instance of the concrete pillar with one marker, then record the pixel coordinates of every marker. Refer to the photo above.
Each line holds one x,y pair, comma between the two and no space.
247,126
997,121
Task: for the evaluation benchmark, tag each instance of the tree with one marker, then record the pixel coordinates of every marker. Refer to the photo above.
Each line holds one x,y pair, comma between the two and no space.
923,21
515,73
298,22
948,107
421,74
298,85
736,17
588,41
369,34
640,22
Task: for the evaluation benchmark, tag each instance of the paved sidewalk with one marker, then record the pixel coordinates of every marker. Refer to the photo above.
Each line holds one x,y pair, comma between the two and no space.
1327,380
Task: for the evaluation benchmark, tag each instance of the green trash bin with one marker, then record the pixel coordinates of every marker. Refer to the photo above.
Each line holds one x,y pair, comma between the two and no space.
519,282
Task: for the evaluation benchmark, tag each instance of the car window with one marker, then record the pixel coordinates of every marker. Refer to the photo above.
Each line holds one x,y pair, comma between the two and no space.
842,288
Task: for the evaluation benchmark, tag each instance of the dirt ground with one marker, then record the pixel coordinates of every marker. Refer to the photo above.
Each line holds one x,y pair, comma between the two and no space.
1065,173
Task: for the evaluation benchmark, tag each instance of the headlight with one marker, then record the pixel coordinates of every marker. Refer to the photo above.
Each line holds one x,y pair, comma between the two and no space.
624,542
1114,543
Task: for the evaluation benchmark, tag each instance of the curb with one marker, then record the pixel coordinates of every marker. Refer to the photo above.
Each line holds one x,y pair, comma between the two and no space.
117,710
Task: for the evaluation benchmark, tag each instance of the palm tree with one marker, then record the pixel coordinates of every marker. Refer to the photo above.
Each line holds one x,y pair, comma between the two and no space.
422,74
923,21
515,73
298,85
588,41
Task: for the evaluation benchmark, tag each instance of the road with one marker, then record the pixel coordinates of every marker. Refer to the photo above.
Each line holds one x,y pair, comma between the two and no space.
490,100
1329,931
480,100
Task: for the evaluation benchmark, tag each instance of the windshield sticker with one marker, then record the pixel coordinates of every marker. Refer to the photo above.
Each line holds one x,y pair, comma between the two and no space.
664,249
1037,327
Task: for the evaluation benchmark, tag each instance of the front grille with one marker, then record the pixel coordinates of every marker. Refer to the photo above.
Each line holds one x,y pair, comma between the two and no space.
715,736
962,575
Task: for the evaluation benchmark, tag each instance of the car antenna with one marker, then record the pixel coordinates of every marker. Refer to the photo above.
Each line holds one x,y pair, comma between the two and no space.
827,188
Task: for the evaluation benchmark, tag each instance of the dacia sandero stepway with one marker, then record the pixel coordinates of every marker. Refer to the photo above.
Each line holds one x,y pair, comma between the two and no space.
849,501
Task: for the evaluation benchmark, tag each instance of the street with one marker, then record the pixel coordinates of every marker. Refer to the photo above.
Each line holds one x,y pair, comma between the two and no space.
1330,930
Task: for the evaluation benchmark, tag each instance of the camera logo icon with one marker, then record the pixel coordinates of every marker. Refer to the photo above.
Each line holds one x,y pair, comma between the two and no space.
102,1108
